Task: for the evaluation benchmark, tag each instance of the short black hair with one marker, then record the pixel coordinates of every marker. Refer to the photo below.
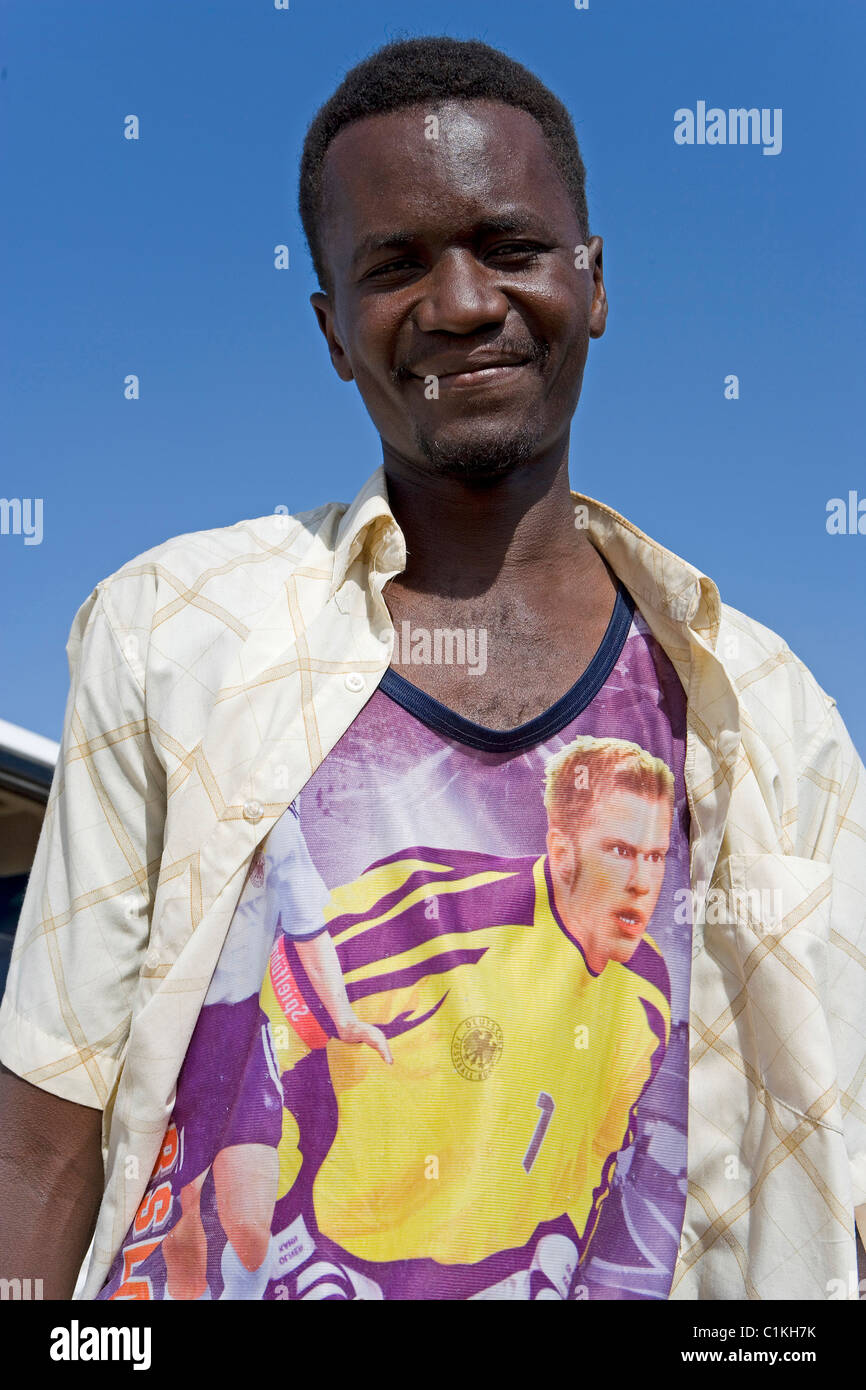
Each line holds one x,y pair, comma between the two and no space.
436,68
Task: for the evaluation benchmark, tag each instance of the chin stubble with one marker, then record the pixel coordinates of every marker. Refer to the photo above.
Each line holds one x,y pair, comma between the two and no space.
479,458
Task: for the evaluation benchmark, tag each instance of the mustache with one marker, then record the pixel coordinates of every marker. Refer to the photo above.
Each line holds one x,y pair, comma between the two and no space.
534,351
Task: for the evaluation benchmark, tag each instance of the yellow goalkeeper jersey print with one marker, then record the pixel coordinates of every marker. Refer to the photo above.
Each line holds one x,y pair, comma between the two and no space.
516,1070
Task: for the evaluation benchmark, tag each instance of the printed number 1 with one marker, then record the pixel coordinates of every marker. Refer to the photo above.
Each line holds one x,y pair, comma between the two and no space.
546,1106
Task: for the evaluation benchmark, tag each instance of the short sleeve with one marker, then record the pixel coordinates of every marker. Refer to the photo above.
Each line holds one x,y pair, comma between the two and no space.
85,921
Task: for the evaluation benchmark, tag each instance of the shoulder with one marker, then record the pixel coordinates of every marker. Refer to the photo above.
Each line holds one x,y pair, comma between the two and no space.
205,589
793,735
255,554
780,695
169,624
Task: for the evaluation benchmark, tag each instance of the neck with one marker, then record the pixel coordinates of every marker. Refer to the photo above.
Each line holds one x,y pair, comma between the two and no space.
464,538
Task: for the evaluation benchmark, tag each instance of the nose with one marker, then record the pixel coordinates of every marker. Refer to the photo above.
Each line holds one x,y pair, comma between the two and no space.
461,296
640,878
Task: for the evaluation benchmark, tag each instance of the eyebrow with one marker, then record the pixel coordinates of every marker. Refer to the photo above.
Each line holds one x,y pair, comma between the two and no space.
371,244
489,226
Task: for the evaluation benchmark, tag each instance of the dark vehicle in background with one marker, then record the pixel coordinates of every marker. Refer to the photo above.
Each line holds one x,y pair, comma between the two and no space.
26,769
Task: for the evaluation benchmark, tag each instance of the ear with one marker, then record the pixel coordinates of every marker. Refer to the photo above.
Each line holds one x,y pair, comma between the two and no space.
598,311
324,311
560,852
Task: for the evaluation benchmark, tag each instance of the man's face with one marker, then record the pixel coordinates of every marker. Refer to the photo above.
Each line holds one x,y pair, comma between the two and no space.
609,875
454,258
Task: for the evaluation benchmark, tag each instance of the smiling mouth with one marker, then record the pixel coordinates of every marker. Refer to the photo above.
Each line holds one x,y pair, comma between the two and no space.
482,375
489,375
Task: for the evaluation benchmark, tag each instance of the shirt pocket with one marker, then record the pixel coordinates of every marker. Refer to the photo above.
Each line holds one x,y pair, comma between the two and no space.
768,921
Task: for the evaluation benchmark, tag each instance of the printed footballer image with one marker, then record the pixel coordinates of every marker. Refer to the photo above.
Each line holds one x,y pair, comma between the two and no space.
437,1065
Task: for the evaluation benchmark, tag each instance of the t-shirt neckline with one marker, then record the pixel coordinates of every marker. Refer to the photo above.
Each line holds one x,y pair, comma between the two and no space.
453,725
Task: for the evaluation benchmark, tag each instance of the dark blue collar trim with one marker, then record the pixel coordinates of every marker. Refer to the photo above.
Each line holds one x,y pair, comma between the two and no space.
452,725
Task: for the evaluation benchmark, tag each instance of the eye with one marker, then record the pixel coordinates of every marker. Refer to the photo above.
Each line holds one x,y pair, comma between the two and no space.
391,268
524,253
623,851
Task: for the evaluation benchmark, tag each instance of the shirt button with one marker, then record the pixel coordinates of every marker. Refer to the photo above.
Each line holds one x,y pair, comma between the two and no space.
151,960
253,811
354,681
385,635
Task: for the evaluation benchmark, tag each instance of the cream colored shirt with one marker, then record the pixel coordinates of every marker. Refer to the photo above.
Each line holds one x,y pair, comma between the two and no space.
210,677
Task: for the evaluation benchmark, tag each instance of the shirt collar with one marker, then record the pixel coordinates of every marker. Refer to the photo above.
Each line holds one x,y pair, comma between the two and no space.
368,525
655,576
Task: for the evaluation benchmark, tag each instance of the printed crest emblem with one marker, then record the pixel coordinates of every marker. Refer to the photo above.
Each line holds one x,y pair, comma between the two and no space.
476,1047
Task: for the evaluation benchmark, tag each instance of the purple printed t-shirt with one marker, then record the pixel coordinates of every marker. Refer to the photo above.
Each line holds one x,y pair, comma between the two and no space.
494,911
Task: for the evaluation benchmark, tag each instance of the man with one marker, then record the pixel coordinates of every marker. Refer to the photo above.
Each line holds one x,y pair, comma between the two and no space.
442,193
367,1191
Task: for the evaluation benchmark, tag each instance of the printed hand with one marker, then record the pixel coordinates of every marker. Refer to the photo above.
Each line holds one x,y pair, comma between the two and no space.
352,1030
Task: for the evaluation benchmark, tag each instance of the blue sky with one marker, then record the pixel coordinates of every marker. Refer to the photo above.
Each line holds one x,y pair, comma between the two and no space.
156,257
